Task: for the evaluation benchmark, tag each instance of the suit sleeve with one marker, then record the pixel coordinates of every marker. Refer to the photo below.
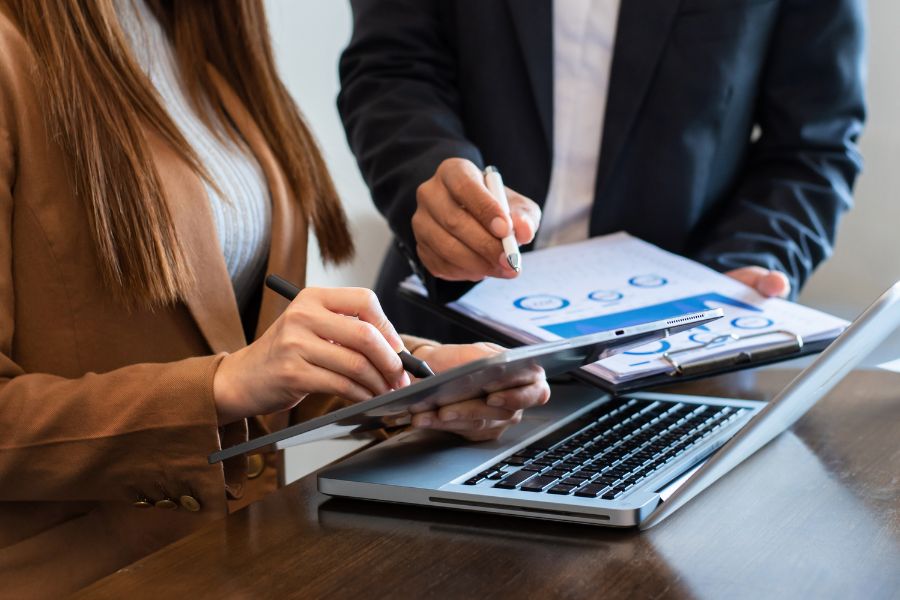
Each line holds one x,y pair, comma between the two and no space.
140,432
400,108
799,177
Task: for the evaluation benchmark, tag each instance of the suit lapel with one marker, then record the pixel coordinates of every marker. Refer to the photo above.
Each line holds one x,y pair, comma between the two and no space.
533,21
211,299
642,34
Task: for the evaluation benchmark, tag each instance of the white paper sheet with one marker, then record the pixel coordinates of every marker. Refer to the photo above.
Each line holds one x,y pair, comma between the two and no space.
618,280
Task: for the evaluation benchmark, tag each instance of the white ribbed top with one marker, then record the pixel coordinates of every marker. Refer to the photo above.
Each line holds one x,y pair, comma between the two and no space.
243,212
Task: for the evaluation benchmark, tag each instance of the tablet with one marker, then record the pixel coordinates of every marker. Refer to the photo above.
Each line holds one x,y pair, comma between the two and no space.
470,380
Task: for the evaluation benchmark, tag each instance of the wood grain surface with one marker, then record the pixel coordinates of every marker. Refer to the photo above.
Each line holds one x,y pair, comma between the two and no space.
815,514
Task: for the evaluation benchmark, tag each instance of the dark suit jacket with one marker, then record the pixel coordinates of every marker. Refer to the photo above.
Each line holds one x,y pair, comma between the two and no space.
730,132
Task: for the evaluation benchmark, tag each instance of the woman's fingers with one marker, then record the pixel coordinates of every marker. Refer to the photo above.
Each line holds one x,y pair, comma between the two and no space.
472,410
363,338
346,362
363,304
322,380
535,394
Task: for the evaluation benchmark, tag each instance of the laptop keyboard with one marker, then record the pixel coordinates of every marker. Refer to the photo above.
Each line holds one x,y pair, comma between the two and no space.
606,452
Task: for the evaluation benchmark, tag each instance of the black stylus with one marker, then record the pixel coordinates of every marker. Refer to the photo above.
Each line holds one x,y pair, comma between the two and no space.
283,287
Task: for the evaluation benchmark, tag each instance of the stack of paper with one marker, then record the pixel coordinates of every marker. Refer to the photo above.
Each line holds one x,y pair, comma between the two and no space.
618,280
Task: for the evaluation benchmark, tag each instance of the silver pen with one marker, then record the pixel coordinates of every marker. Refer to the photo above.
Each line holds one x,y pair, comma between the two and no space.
495,186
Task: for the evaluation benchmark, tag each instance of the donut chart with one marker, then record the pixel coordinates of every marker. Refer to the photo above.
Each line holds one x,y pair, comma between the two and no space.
541,303
752,322
648,281
605,296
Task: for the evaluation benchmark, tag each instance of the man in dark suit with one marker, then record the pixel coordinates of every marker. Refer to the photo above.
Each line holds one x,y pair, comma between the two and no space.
723,130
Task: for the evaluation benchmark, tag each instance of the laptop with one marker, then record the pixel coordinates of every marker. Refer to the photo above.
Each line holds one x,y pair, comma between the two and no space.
471,380
589,457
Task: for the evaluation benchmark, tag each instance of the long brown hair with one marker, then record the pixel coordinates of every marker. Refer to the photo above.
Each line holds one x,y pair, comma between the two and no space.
98,97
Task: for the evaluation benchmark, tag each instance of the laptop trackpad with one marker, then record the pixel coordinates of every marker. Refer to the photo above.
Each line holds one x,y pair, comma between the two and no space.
429,458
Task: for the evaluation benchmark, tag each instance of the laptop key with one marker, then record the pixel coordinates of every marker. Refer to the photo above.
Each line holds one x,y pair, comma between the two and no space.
512,481
591,490
574,481
561,489
538,484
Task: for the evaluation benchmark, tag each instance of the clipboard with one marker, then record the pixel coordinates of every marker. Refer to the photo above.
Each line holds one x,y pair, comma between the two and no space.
470,380
793,347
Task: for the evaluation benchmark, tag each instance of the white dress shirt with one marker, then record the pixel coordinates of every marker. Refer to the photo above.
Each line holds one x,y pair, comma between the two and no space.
584,34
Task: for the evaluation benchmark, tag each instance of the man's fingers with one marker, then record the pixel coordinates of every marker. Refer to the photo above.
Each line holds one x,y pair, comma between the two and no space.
439,266
461,224
453,251
766,282
526,216
774,284
747,275
465,182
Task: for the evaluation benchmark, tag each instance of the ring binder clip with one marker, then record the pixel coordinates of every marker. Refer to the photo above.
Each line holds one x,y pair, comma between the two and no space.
794,344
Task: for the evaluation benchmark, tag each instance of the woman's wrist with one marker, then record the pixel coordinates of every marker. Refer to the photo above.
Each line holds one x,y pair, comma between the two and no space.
224,396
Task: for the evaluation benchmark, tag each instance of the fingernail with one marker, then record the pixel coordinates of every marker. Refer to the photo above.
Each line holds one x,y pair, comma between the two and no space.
402,382
494,401
449,416
499,226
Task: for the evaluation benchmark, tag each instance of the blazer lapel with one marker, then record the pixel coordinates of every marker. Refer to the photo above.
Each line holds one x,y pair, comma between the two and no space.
287,251
533,21
211,299
643,30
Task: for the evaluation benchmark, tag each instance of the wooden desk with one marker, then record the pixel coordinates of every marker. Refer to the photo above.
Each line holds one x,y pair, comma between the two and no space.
815,514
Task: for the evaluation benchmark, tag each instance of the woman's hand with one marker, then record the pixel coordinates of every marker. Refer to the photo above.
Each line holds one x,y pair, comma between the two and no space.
480,419
314,346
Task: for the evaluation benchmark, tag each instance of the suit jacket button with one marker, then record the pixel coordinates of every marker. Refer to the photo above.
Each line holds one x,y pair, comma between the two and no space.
190,503
142,503
167,504
256,464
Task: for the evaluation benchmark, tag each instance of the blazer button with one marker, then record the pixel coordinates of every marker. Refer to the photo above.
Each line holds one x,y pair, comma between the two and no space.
189,503
167,504
142,503
256,464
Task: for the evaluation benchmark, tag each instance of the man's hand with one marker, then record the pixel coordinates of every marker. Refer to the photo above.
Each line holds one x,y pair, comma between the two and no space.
480,419
458,224
766,282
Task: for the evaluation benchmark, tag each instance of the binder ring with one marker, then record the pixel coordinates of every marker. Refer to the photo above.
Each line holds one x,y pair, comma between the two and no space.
795,344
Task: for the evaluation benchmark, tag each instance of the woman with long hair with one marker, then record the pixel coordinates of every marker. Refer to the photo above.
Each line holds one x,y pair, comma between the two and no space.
153,168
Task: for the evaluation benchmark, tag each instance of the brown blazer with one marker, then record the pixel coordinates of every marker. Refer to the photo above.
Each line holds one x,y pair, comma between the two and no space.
105,412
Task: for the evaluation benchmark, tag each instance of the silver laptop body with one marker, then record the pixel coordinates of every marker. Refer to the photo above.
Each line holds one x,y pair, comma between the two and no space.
644,455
